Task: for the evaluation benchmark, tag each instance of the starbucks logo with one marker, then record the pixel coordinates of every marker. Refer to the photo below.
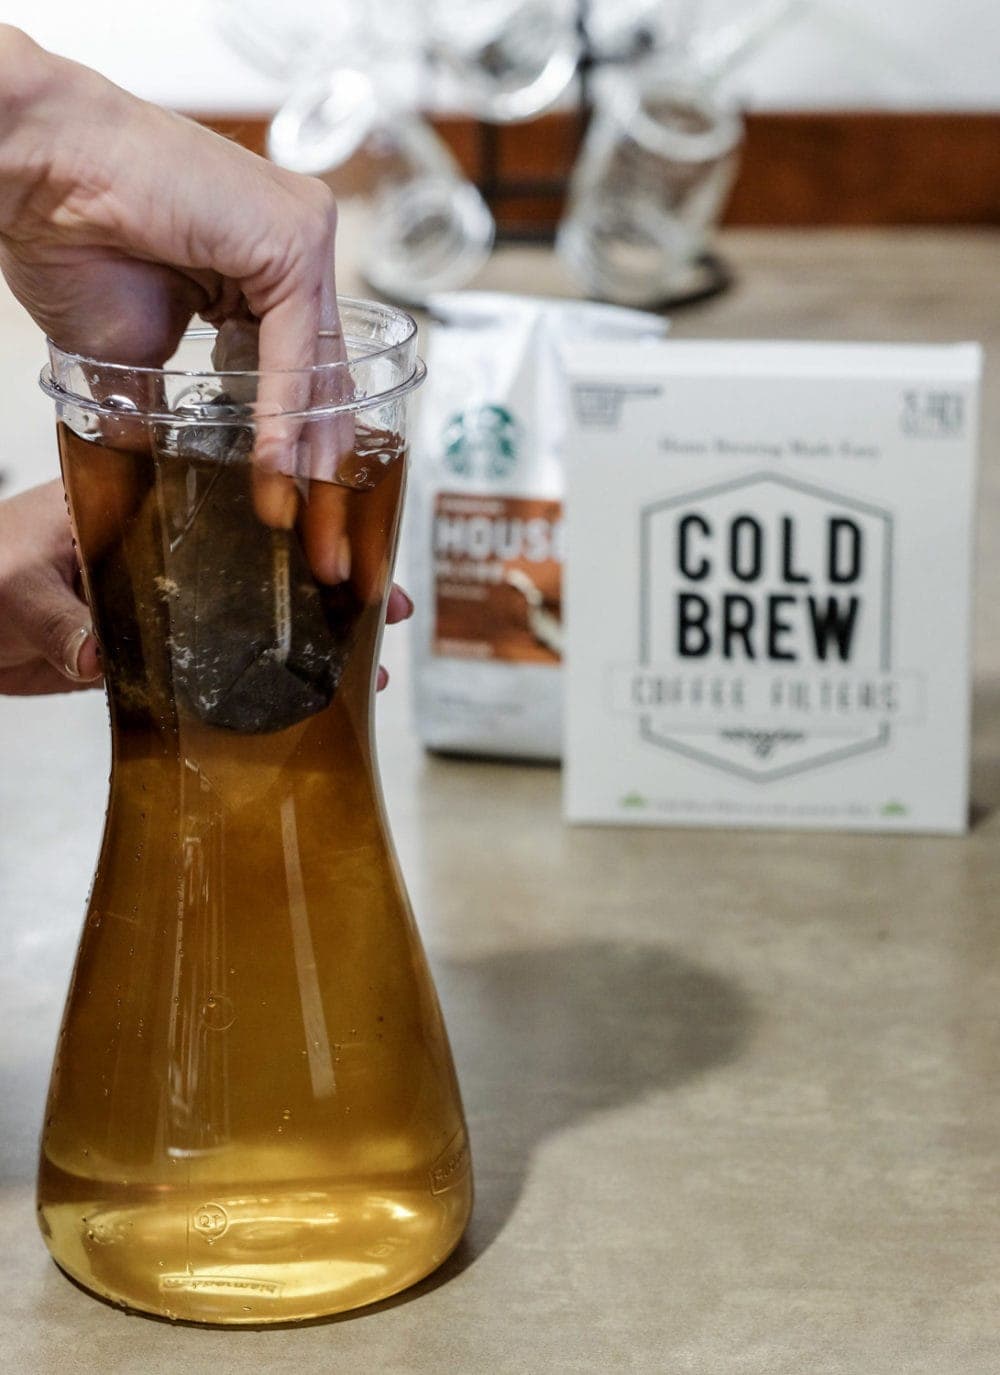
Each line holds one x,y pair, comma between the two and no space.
482,442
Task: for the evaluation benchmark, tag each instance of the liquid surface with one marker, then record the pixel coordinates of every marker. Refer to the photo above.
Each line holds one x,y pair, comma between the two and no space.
253,1114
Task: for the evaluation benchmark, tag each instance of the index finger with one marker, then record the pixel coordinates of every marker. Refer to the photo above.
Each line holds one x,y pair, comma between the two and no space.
288,337
293,297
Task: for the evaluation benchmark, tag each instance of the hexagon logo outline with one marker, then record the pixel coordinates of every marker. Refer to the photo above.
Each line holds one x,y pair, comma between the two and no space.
836,754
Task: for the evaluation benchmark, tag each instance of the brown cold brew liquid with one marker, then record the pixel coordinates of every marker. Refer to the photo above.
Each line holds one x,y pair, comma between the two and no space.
253,1114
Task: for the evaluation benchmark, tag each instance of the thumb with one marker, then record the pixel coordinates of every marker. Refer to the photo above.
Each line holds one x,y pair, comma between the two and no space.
56,624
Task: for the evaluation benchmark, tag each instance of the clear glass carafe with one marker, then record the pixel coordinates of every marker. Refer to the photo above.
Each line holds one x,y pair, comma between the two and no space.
253,1115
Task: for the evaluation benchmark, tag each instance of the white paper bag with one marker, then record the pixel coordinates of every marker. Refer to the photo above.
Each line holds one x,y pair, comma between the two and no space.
485,526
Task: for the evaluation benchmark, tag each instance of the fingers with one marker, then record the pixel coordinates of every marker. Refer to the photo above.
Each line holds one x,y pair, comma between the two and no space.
326,442
399,607
324,533
56,625
67,645
284,447
81,661
287,345
223,301
37,679
237,350
331,440
290,347
46,644
302,363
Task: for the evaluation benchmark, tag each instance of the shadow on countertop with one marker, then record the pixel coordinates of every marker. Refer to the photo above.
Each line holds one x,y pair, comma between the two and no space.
544,1039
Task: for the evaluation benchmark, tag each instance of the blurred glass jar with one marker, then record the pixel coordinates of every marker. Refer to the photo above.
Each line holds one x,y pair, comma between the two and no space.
656,167
508,59
428,227
619,30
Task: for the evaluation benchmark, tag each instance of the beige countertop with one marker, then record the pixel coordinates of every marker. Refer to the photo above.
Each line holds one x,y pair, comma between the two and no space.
733,1095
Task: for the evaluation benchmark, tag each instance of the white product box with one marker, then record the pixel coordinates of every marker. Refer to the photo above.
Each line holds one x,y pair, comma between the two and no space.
768,584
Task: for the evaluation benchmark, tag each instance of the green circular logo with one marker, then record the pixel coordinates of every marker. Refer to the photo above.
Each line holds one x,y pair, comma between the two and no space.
482,442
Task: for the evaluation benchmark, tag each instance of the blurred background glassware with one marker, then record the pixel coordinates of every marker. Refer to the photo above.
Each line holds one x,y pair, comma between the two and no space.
654,170
720,35
428,232
619,30
427,227
288,39
649,187
508,59
324,121
296,41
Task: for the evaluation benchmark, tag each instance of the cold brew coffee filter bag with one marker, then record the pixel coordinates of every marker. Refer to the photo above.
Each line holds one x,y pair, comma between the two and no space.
485,516
251,641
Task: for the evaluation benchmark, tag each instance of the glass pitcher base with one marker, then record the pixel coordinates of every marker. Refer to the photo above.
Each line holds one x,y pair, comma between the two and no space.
275,1258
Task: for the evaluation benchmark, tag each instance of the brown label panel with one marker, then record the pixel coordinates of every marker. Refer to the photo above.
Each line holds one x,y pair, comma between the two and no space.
497,578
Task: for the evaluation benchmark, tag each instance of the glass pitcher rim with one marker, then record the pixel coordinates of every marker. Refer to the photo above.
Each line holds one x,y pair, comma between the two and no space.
368,352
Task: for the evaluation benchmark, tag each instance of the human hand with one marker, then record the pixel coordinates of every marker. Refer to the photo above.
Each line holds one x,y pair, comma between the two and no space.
46,642
120,220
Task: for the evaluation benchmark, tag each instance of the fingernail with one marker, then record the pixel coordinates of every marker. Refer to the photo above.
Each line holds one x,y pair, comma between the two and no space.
275,500
407,601
72,652
382,678
344,558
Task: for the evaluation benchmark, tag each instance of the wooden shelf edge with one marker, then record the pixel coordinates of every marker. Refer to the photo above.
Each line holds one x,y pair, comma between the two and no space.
808,168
